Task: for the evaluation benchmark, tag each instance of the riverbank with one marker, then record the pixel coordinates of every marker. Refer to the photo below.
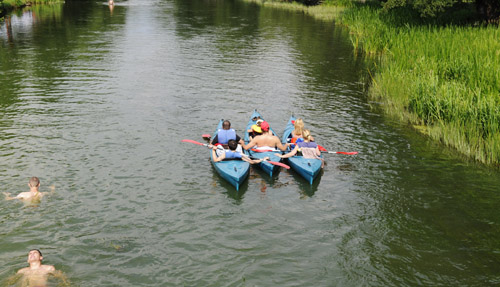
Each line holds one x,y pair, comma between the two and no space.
9,5
442,79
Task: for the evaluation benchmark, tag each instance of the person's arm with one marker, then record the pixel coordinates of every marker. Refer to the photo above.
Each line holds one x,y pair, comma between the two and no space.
250,145
61,277
52,190
290,154
280,145
215,140
216,158
8,197
318,152
253,161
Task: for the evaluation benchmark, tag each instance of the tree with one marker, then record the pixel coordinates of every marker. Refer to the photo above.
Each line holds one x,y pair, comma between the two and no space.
488,9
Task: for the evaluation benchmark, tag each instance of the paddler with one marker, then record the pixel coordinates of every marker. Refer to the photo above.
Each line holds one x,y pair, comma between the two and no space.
233,154
266,142
255,130
225,134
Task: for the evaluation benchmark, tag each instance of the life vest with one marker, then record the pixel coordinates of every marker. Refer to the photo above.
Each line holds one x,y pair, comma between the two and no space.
232,155
223,136
303,144
296,141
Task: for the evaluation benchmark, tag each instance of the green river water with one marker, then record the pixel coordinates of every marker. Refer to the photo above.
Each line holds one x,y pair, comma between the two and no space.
96,102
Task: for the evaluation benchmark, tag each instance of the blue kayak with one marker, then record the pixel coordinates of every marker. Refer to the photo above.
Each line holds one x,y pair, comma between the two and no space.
234,171
265,166
308,168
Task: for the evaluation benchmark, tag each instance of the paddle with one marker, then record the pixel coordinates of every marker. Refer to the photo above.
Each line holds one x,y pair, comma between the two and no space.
273,162
322,149
343,152
195,142
206,137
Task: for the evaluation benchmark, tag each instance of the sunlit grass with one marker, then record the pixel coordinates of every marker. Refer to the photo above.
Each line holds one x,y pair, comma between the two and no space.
445,80
323,12
21,3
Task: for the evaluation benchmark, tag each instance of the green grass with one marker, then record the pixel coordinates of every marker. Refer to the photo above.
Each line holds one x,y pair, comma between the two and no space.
444,79
10,4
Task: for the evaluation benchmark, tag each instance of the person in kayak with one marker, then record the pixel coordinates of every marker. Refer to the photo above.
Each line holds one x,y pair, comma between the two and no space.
255,130
266,142
33,194
308,148
296,134
232,154
225,134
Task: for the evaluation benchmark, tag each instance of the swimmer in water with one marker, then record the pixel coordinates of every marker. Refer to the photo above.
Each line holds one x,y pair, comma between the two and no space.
37,274
31,195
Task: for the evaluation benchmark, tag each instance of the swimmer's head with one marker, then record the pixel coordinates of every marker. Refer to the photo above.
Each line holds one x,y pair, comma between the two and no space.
34,182
34,255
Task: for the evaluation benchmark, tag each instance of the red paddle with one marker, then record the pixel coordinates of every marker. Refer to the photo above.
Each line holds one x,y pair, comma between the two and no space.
195,142
322,149
275,163
271,162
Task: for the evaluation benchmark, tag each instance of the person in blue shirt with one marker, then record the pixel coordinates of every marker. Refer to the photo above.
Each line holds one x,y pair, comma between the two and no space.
225,134
232,154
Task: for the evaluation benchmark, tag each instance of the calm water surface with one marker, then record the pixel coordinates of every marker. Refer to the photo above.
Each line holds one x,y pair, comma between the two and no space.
96,102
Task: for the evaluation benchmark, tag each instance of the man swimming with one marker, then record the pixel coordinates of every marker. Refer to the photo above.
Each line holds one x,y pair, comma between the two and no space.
33,194
36,274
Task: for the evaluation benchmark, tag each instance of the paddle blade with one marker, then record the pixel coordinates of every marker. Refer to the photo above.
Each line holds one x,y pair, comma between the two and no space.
195,142
206,137
279,164
344,152
321,148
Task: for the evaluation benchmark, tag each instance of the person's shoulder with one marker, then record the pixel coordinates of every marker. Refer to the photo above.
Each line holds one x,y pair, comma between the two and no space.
22,270
49,268
25,194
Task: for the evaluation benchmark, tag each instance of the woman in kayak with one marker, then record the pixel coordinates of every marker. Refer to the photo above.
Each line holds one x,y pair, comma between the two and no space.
308,148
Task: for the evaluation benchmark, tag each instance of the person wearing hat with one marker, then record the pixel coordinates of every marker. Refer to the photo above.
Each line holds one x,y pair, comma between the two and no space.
255,130
266,142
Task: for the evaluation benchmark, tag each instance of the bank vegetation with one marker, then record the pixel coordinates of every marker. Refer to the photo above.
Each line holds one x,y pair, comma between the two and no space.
438,70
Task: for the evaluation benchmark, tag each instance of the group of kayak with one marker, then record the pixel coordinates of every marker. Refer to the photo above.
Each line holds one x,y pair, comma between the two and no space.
232,156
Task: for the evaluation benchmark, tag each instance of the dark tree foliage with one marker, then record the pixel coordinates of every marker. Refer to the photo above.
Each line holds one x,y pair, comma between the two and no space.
306,2
487,9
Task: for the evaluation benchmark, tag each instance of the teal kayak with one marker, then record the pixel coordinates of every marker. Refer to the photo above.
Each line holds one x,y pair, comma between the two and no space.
265,166
234,171
308,168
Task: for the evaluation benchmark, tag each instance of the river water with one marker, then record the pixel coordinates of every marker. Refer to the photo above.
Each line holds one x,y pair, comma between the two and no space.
96,102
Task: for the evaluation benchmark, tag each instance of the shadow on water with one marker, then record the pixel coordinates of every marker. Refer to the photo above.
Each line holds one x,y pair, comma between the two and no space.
307,189
230,190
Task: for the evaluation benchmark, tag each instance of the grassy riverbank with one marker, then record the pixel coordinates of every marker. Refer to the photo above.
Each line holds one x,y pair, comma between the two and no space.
7,5
443,79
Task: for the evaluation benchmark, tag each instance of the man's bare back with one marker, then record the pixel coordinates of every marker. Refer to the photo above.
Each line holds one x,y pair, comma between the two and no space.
265,140
33,194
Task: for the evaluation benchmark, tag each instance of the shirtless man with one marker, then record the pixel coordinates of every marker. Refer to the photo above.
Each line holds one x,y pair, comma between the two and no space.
36,274
33,194
266,141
